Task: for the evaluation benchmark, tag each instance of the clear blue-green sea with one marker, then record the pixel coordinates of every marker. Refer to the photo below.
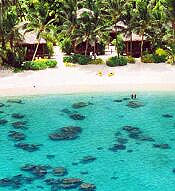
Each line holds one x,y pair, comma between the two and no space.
139,166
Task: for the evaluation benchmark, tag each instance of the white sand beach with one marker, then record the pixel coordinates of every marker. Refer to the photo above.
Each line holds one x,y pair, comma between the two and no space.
80,79
133,77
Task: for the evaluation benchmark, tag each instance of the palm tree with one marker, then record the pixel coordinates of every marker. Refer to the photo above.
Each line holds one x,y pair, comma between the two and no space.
5,21
143,19
115,9
90,26
40,22
98,21
128,20
6,3
170,12
68,15
83,32
9,34
3,10
158,28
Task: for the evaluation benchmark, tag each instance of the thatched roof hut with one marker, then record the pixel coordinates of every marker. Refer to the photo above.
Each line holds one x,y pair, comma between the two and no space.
31,38
29,42
132,43
135,38
28,37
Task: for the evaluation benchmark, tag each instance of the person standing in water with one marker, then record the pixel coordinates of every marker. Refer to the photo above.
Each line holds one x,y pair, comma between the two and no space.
133,96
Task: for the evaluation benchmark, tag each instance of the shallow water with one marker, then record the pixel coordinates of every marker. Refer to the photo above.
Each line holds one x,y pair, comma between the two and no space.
146,168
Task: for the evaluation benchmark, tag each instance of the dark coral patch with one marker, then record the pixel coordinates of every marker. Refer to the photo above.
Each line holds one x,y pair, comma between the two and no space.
80,105
87,159
135,104
28,147
18,115
60,171
122,140
161,146
19,125
16,136
16,181
66,133
38,170
77,116
117,147
3,121
70,183
167,116
19,101
2,105
87,187
118,100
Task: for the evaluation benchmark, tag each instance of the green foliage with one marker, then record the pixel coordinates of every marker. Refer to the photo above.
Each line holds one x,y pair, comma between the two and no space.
11,58
32,65
40,64
17,70
115,61
49,48
40,22
9,34
170,14
161,52
171,60
147,58
20,53
119,44
66,46
131,59
51,63
143,18
97,61
77,59
171,53
68,59
159,59
50,19
159,56
81,59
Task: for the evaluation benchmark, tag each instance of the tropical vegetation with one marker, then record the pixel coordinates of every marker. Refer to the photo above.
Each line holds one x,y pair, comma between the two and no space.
116,61
39,64
69,23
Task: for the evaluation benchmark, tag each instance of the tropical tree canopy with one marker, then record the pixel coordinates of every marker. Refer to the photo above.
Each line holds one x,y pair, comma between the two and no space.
72,22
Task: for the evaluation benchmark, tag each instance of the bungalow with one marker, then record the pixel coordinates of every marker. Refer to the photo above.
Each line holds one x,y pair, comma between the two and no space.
135,45
80,48
29,43
132,44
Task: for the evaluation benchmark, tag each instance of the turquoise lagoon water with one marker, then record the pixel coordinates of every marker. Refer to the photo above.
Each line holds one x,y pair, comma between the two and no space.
145,168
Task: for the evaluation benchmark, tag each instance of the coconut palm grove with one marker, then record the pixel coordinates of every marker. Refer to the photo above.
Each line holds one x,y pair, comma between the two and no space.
87,95
137,28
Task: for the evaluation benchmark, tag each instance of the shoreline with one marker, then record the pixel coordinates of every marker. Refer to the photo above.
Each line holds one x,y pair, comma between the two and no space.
84,89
